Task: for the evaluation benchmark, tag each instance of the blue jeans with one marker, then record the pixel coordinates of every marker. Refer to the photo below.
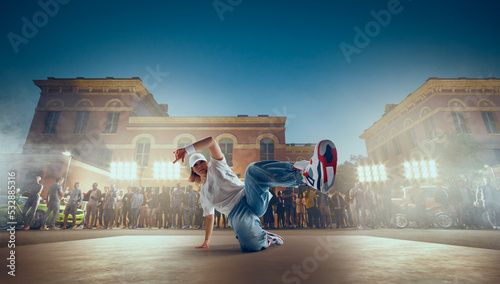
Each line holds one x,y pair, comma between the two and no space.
135,216
244,218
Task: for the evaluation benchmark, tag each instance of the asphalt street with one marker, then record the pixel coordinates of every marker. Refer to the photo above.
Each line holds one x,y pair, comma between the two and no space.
307,256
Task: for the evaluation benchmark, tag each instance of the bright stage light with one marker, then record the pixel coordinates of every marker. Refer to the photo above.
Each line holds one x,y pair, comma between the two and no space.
422,169
372,173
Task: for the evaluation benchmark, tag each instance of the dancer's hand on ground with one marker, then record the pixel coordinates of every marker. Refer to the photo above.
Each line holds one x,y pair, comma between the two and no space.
180,154
204,245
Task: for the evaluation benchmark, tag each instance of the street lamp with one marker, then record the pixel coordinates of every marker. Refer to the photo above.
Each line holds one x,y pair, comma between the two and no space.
372,173
422,169
67,154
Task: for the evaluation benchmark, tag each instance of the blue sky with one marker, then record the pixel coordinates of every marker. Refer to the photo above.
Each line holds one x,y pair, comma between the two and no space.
255,57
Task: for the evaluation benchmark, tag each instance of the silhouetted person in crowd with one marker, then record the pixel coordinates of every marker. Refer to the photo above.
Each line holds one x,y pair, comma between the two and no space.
280,210
119,208
324,209
100,207
75,200
338,207
313,213
301,210
54,196
359,213
126,207
164,208
31,204
135,206
144,211
190,204
269,215
442,198
372,205
109,207
92,206
177,199
287,195
487,197
465,208
153,208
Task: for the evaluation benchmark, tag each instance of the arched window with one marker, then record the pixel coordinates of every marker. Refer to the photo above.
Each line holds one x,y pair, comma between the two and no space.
142,152
226,145
266,149
183,142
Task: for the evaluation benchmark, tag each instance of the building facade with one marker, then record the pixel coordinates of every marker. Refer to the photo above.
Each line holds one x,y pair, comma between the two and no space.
117,133
406,131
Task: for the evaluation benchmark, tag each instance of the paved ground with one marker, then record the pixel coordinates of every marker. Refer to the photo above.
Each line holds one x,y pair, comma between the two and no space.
308,256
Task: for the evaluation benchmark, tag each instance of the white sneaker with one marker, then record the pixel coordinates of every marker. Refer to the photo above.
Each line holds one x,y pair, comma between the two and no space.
320,172
273,239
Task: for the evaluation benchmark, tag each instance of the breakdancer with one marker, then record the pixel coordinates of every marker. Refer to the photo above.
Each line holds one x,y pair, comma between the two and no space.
246,202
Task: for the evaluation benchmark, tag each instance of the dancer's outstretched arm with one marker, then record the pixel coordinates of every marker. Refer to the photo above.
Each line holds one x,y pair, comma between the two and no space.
209,142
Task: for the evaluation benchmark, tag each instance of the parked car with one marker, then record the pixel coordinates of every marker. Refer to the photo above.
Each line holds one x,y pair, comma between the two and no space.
20,201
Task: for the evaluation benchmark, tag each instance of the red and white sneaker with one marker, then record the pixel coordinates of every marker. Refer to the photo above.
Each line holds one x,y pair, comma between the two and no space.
273,239
320,172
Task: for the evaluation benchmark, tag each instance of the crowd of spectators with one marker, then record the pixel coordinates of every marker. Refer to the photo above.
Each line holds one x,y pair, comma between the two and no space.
179,208
364,208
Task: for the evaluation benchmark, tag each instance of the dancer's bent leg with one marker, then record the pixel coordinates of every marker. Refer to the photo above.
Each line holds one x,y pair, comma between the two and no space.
260,176
244,218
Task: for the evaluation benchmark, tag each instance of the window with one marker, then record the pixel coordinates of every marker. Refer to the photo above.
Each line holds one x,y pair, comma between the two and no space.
226,145
385,154
490,122
50,123
111,124
82,118
183,143
413,138
460,123
430,129
266,150
142,152
397,146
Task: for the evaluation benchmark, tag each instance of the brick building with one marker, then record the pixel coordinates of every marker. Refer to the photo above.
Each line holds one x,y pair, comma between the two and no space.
405,131
117,133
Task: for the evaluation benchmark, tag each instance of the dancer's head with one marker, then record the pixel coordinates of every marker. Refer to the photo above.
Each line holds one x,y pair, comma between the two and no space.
199,167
